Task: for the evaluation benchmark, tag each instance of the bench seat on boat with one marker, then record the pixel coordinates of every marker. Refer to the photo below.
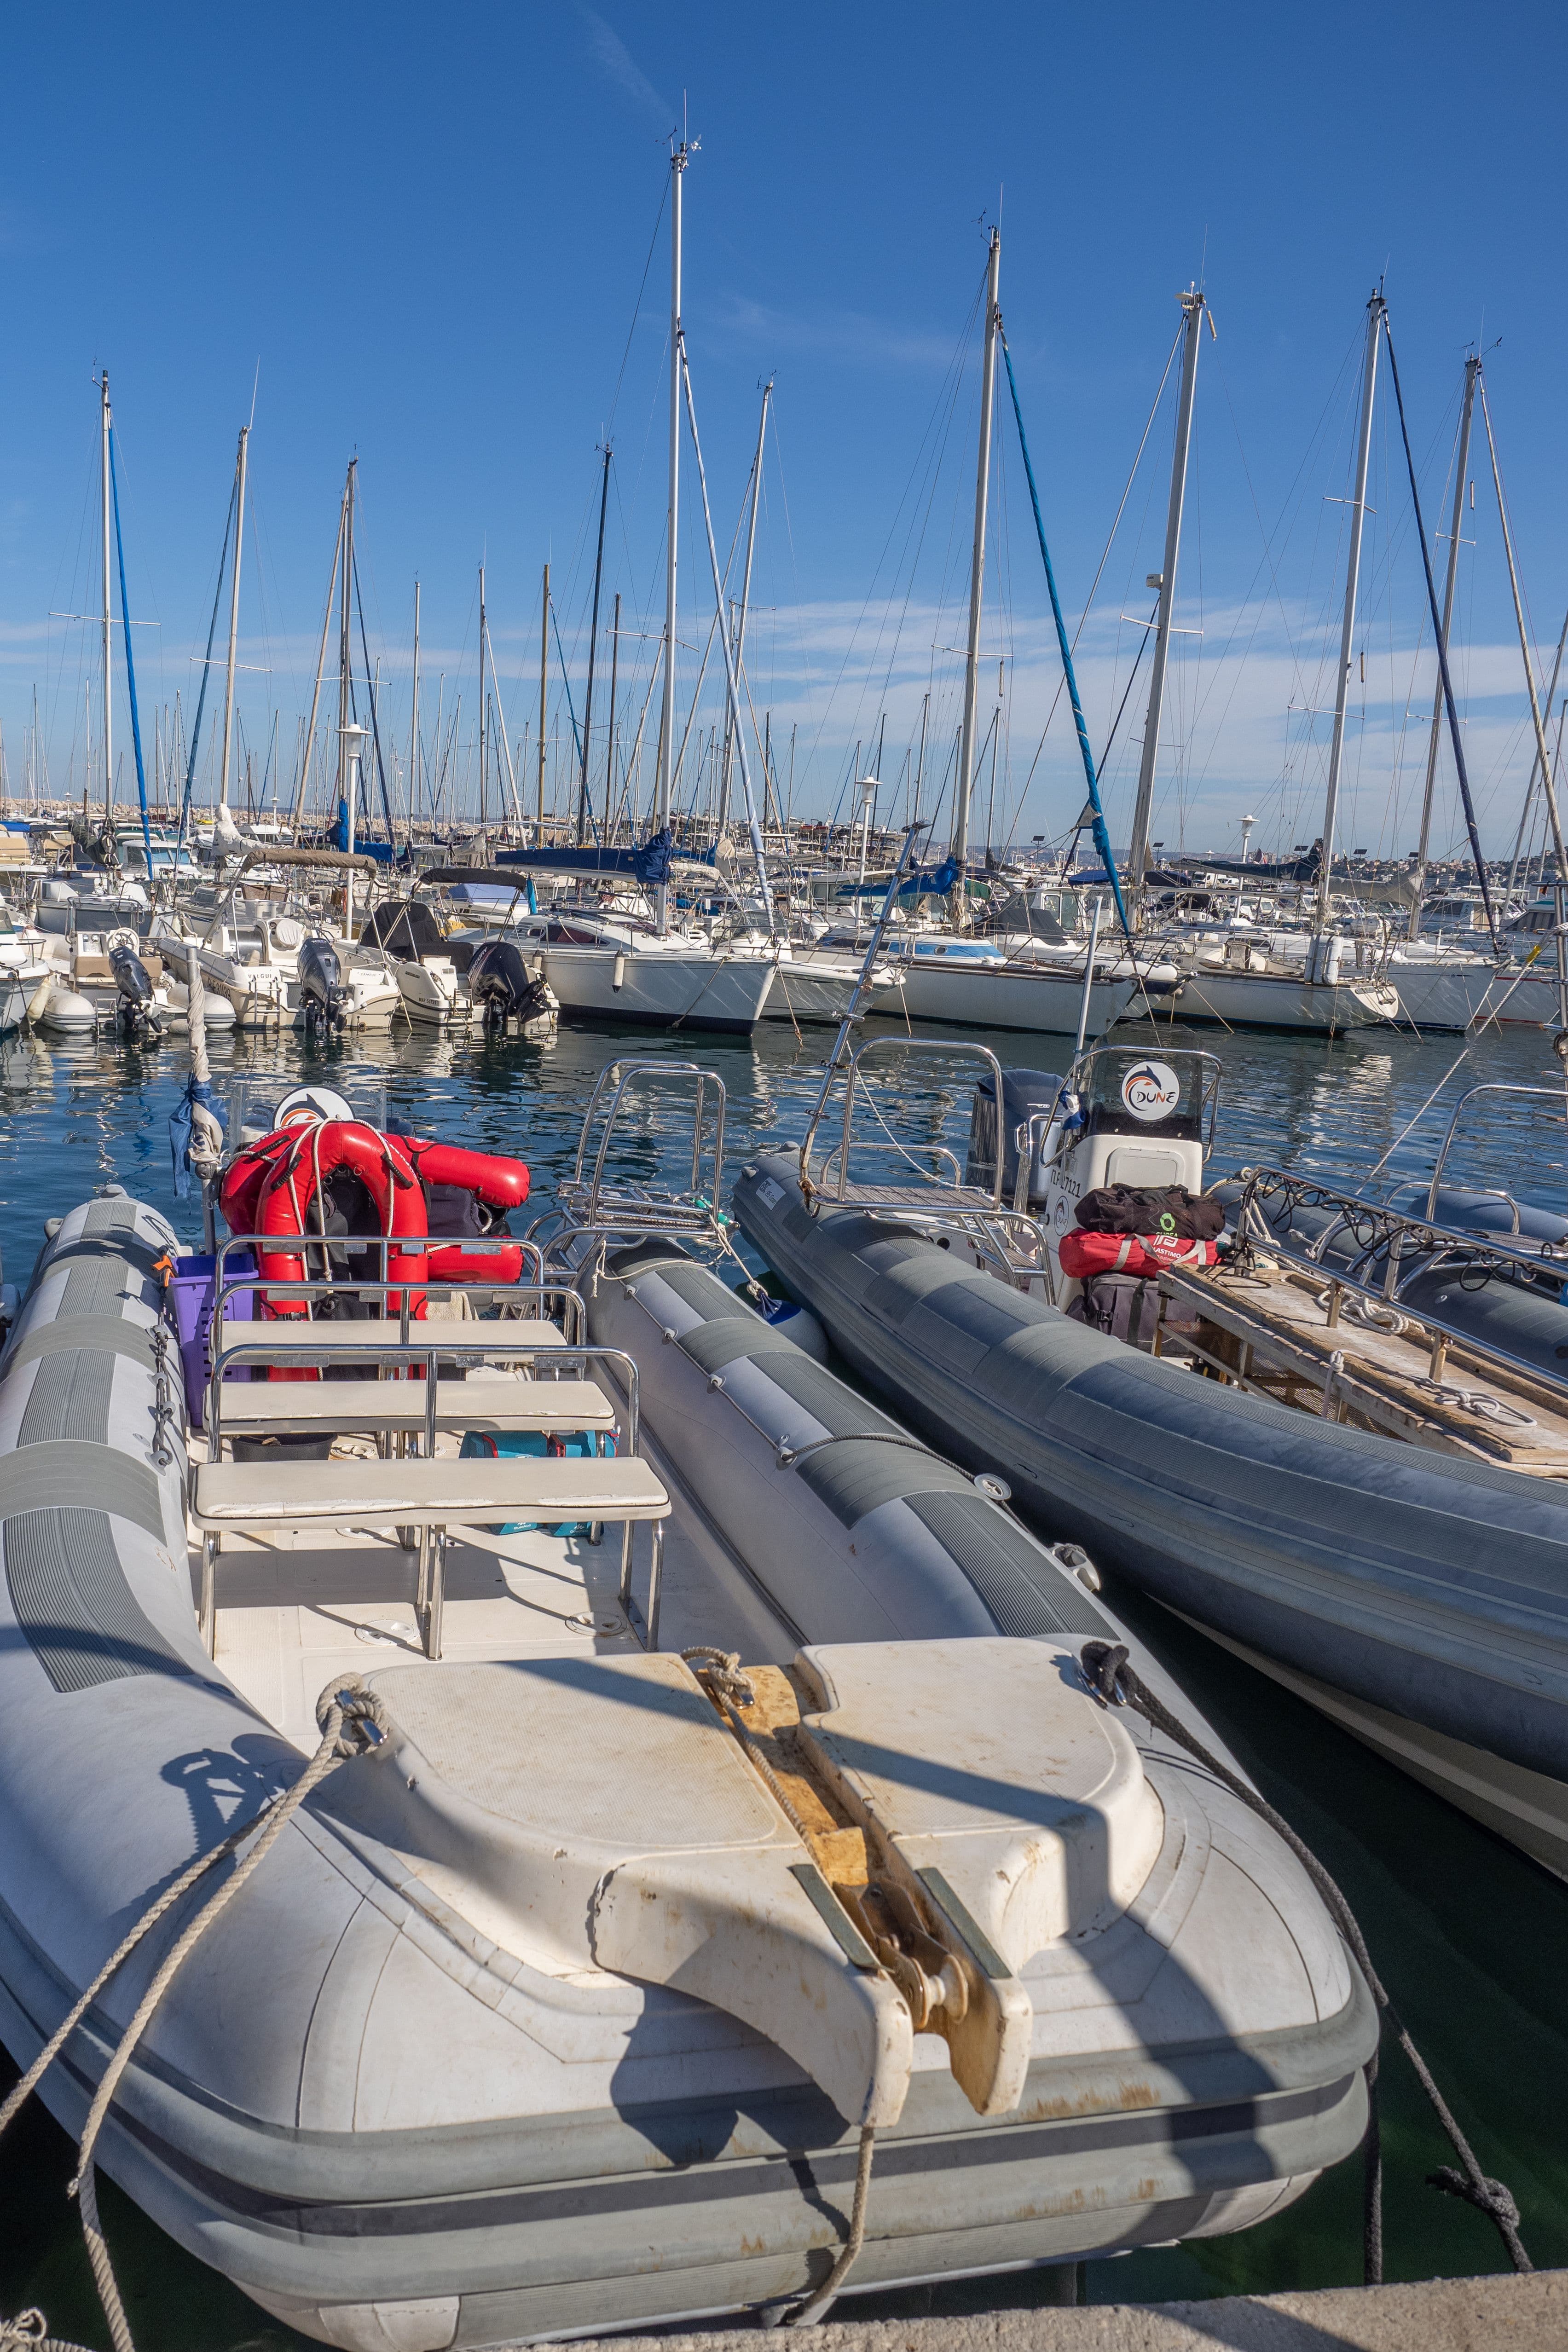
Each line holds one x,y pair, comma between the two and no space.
295,1335
263,1408
232,1496
424,1494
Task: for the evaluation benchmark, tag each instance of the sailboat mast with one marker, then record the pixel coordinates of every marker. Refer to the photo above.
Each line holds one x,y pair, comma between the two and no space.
1374,310
1548,776
610,804
482,779
108,657
543,692
1192,307
678,161
414,722
977,570
345,643
731,721
1472,370
592,649
239,469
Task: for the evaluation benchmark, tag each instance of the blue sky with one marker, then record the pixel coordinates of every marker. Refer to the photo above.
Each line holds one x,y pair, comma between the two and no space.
420,236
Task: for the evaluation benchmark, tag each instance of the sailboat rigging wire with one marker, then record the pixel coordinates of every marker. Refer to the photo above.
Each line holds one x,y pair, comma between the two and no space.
130,664
758,851
1110,541
374,722
1470,825
206,672
1102,838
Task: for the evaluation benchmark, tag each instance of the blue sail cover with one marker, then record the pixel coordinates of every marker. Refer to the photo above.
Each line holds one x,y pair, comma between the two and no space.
650,864
382,851
936,884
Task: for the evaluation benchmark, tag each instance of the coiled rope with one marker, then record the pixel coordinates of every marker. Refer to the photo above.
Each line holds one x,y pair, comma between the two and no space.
352,1722
718,1671
1114,1682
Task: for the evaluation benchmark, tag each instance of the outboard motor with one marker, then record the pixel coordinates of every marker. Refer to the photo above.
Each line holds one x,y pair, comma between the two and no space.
321,992
499,980
1026,1095
136,1004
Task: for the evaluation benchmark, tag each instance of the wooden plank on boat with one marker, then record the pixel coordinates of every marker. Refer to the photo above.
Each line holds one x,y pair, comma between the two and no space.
1270,1330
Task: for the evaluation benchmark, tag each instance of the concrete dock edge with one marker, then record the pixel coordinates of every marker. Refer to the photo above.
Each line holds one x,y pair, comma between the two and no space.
1501,2313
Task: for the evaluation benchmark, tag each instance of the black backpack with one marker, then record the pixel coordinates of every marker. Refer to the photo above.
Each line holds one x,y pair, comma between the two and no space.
1158,1209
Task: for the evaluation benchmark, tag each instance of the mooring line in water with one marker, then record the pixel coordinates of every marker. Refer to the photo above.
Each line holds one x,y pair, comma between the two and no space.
351,1722
1114,1682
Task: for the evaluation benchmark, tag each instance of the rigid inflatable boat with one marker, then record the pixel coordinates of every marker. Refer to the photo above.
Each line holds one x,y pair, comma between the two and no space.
552,2011
1419,1595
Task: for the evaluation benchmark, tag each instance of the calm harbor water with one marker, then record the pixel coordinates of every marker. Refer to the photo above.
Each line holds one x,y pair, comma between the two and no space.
1467,1935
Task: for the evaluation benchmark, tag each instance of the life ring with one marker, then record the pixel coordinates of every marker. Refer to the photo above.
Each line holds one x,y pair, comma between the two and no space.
1084,1255
476,1261
245,1178
501,1184
307,1155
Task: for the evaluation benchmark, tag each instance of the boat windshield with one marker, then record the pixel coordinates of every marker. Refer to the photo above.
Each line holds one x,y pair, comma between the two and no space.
1173,1091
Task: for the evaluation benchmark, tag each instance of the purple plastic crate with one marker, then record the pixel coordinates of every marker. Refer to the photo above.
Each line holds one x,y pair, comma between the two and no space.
194,1289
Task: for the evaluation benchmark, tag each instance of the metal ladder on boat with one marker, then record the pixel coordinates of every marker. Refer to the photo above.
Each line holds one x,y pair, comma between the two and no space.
639,1108
1005,1238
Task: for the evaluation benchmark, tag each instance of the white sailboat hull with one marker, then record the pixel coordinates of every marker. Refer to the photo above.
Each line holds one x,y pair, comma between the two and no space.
1446,995
1257,1000
658,989
806,990
1010,996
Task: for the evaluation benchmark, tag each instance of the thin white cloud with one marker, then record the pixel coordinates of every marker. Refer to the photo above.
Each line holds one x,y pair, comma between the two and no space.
622,70
850,335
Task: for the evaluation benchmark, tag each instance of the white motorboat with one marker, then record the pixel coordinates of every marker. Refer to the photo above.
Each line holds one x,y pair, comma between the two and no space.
250,954
613,967
419,955
90,897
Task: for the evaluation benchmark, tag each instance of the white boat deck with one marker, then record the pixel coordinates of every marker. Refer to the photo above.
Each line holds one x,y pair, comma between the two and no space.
295,1609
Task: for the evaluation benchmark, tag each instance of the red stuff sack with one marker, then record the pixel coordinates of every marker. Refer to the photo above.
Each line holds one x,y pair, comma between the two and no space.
1083,1255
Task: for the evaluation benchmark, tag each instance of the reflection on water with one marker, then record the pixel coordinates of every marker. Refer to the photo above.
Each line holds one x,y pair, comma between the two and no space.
77,1115
1467,1935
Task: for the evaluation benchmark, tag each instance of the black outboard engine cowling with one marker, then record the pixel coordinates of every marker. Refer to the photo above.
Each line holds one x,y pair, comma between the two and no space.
499,979
321,992
136,1004
1026,1094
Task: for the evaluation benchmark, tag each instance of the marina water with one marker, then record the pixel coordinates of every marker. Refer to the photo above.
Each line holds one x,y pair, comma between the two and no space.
1467,1934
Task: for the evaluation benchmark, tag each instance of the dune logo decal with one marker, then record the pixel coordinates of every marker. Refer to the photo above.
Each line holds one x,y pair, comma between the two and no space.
1151,1090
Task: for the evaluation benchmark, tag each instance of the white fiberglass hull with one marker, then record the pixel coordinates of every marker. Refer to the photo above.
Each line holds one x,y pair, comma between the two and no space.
659,988
435,998
1528,1809
1445,995
1528,999
805,989
1010,996
267,996
1257,1000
